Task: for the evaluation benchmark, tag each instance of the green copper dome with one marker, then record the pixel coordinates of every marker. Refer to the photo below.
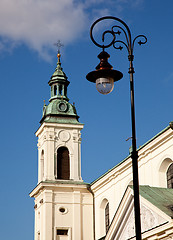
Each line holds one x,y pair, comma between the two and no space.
59,110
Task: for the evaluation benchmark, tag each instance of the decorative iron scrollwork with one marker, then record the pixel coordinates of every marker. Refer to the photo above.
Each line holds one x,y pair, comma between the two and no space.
116,31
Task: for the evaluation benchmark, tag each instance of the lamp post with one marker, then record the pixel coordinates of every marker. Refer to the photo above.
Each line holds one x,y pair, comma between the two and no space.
104,76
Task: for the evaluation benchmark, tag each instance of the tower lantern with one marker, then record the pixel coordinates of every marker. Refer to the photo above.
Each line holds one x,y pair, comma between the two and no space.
63,203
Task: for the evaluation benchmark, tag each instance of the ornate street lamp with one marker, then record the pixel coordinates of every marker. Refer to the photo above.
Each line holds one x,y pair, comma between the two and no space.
104,76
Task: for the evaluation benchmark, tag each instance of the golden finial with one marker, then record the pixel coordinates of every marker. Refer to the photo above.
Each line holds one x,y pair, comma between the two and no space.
58,56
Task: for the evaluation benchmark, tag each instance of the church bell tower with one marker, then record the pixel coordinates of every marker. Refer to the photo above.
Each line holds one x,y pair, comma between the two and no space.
63,203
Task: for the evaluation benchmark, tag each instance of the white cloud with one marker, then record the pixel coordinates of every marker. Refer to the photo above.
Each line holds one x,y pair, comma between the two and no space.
40,23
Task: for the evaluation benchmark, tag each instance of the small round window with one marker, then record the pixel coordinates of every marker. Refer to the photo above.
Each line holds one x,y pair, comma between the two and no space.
63,210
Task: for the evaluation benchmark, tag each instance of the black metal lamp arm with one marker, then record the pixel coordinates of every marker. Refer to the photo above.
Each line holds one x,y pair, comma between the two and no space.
129,44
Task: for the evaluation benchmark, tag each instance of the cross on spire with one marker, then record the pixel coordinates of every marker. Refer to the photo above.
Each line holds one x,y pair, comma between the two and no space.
59,45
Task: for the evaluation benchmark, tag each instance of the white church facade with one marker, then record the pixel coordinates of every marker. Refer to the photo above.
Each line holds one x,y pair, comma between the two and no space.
66,208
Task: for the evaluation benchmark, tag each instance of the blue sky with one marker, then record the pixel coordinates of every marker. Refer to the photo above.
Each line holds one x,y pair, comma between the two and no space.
28,30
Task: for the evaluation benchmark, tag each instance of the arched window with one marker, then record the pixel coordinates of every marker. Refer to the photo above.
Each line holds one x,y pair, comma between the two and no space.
63,163
55,90
65,91
42,166
104,217
163,170
170,176
60,89
107,217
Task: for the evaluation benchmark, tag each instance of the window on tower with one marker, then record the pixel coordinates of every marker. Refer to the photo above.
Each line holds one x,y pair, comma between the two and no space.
55,90
62,231
42,166
65,91
63,163
60,90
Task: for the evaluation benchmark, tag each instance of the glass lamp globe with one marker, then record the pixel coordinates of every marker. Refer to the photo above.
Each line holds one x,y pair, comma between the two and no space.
104,85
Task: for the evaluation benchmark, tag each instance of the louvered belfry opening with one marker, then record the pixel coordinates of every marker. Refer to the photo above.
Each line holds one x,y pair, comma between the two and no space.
63,163
170,176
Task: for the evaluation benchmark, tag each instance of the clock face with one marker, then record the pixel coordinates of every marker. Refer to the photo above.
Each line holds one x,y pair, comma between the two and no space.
62,107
